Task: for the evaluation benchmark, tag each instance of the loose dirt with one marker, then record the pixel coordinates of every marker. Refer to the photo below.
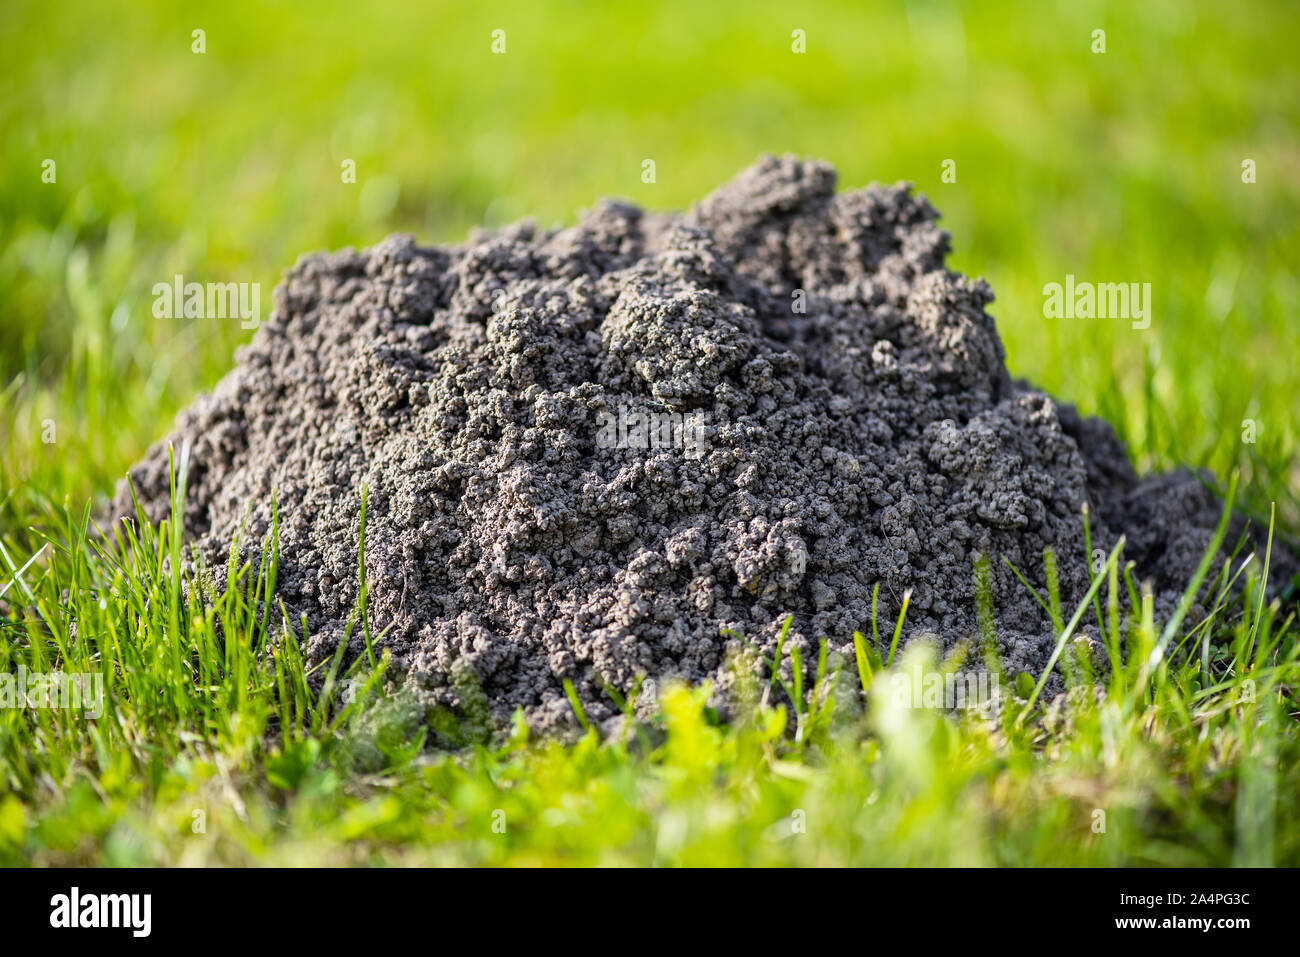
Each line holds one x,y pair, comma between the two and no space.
588,452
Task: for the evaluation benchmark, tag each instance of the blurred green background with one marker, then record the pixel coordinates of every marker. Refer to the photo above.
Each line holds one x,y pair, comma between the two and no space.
1123,166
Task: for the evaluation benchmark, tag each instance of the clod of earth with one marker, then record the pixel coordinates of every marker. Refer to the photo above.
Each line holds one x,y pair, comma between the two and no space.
590,453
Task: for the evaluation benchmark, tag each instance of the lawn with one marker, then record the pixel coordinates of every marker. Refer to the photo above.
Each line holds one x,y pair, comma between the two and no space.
129,158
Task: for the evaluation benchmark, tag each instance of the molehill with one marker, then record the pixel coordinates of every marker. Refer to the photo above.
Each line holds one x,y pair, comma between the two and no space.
589,452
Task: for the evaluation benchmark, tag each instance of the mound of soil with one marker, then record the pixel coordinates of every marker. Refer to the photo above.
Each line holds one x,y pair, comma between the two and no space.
590,451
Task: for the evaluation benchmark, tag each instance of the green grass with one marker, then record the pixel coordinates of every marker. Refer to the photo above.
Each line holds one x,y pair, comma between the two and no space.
1124,166
216,746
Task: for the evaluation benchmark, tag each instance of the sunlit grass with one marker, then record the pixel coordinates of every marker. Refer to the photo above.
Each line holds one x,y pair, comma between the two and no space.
217,746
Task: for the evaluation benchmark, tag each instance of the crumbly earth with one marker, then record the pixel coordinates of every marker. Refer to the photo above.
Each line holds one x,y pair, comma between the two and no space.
846,419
